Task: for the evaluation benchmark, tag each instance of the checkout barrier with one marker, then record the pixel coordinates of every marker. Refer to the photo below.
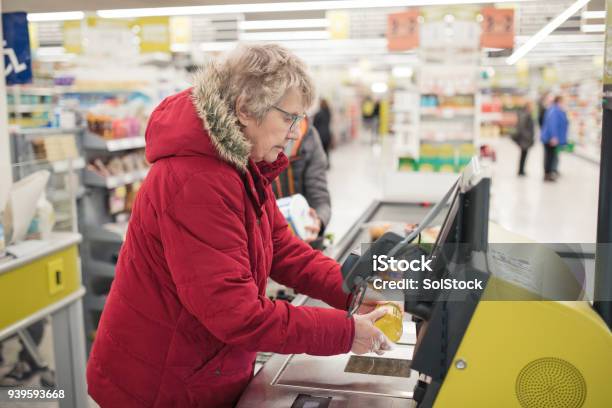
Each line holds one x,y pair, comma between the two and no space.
47,283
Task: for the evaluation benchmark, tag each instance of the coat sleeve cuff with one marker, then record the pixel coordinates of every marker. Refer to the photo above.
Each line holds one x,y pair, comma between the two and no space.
334,324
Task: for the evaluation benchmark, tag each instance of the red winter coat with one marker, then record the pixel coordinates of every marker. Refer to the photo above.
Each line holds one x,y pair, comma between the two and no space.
188,309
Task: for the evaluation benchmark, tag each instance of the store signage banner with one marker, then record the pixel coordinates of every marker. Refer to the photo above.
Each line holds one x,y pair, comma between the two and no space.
497,28
339,25
154,34
16,48
73,36
403,30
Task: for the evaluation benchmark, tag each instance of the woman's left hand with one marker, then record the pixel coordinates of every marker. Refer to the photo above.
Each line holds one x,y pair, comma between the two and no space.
368,305
313,229
372,299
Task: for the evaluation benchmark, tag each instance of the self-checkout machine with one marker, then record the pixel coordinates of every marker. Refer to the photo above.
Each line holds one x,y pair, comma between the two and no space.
528,338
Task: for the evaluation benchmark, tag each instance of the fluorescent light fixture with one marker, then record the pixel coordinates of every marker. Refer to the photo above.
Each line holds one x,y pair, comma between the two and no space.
593,28
180,47
402,72
282,7
594,14
49,51
379,87
64,16
214,46
283,24
285,35
363,45
545,31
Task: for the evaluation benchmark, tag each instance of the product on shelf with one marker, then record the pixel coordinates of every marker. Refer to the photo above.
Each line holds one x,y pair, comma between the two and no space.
117,200
119,165
55,148
113,120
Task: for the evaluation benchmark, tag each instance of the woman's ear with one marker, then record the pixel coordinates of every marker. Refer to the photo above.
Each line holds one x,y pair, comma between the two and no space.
241,111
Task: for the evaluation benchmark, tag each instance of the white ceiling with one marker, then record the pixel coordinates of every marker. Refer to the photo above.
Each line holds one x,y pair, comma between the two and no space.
567,42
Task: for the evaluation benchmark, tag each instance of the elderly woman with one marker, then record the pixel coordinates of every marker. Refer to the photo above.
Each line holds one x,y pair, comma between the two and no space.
187,310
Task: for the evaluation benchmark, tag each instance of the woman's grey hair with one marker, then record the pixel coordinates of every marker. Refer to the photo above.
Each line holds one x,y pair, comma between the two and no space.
262,74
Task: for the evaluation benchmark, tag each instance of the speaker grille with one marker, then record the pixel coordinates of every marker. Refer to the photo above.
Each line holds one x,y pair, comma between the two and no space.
550,382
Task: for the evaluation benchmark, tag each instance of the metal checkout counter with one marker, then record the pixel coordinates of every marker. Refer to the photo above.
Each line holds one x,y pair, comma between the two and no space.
47,282
468,349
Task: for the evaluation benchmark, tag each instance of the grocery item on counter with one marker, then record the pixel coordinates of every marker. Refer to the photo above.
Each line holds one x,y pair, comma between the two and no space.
42,224
391,324
295,209
22,204
377,230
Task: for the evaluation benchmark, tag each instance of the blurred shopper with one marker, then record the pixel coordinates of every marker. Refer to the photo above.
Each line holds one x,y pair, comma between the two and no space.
370,110
524,134
187,311
554,134
306,175
543,104
322,122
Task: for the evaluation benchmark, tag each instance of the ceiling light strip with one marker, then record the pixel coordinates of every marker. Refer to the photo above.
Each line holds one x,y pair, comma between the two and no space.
283,24
545,31
63,16
283,7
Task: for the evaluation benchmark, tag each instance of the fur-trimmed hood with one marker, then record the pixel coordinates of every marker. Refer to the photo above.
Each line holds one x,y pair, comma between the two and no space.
197,122
216,116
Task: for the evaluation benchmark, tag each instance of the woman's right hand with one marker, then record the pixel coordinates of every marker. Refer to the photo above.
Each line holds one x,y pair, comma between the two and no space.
368,338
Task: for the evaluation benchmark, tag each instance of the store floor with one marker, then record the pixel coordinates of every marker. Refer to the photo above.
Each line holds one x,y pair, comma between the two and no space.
564,211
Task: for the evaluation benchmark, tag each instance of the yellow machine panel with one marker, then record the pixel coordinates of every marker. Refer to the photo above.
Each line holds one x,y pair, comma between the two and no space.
33,286
531,354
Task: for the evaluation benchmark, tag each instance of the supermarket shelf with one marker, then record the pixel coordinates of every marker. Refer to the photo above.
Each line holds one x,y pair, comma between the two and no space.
95,142
28,90
95,180
62,166
94,302
491,116
45,131
112,232
65,195
446,115
448,141
23,108
63,217
99,268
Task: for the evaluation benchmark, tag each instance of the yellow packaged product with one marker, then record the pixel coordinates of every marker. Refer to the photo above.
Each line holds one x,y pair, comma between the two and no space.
391,324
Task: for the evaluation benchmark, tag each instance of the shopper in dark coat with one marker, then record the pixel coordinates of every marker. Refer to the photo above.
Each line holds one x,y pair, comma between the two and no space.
524,134
322,122
542,106
306,175
187,310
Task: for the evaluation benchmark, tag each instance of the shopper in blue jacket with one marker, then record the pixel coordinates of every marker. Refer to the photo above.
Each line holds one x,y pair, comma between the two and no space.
554,133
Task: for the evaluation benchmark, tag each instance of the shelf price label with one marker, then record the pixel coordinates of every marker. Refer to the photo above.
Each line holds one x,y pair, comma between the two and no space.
497,28
403,30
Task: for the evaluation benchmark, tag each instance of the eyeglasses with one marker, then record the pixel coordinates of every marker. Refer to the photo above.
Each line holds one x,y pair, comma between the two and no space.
295,119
